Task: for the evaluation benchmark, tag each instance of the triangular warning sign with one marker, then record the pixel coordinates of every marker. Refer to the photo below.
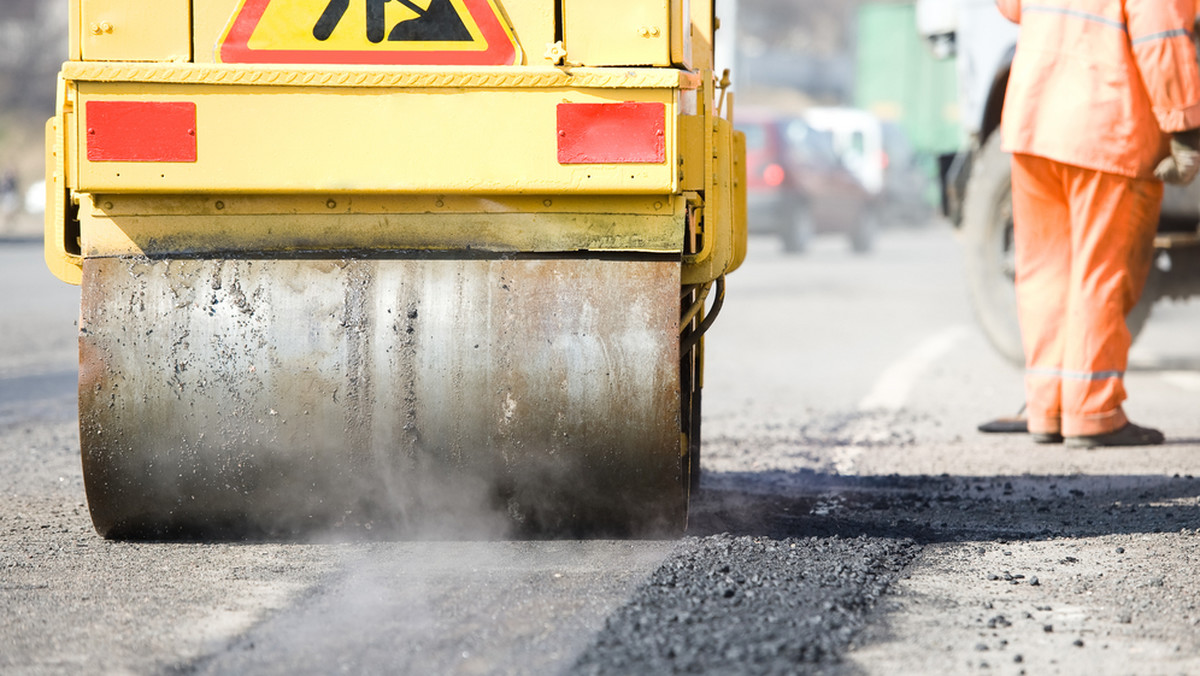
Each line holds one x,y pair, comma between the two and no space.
380,32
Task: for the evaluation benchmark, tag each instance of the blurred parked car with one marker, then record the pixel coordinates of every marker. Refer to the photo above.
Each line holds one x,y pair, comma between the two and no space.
797,187
881,156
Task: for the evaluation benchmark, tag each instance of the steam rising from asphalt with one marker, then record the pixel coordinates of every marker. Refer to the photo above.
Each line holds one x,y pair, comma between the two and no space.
449,608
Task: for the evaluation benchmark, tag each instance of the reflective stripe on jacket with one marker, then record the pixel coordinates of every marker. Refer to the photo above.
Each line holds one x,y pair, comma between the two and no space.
1099,83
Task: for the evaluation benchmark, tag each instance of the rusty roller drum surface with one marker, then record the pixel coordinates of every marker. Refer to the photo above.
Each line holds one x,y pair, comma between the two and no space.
427,397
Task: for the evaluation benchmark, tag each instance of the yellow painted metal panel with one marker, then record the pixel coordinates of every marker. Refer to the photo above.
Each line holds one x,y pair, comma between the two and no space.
295,139
740,230
119,30
74,40
618,32
691,152
209,19
723,242
702,34
119,205
533,25
681,32
193,224
106,232
62,257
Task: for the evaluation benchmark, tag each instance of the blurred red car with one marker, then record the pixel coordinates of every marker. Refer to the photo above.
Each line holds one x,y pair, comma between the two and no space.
797,187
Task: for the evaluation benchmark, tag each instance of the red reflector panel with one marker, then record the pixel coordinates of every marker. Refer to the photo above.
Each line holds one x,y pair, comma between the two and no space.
611,133
141,131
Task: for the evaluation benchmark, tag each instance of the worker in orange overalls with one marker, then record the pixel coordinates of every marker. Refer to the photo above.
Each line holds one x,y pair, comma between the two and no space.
1103,104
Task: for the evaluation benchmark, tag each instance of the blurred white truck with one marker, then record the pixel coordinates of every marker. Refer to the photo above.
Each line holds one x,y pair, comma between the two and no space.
976,180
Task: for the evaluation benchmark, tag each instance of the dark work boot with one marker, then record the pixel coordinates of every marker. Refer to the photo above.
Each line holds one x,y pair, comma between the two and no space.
1006,425
1014,424
1129,435
1047,438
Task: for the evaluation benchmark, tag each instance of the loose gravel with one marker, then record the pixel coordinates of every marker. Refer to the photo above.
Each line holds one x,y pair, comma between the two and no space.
749,605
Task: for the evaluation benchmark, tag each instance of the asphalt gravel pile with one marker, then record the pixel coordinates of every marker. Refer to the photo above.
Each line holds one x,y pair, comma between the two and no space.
749,605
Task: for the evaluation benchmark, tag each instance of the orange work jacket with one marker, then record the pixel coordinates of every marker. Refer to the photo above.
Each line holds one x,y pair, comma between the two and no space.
1099,83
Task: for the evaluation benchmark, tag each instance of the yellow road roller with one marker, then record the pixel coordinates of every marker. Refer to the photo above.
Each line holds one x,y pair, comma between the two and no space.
398,265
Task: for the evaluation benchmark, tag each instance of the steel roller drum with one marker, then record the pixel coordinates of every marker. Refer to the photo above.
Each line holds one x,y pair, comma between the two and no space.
420,397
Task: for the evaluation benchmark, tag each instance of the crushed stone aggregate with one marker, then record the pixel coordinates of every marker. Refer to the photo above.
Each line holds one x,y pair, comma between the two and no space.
751,605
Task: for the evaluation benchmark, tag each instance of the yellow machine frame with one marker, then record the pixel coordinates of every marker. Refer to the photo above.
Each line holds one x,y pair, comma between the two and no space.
592,167
272,152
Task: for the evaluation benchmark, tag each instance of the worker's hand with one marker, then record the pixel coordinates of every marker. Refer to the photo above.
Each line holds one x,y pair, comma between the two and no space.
1182,165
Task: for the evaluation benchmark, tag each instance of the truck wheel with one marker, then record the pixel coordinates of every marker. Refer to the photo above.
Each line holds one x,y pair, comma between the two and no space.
1135,321
862,237
990,258
798,231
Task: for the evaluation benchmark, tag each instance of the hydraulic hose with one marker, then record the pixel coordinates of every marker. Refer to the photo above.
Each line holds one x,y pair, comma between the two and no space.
689,341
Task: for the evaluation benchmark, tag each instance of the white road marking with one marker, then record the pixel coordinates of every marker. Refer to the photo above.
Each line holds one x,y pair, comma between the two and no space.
894,385
1184,380
892,389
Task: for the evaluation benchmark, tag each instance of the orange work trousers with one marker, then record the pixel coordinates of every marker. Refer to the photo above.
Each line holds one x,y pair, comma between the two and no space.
1084,245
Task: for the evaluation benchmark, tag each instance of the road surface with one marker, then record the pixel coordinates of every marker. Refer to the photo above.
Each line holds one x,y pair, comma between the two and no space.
851,520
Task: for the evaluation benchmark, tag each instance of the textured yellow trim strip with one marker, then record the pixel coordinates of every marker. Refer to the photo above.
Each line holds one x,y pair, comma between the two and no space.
350,233
517,77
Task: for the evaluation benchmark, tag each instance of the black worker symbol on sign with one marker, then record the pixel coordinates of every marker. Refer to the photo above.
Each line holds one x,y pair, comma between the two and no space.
435,20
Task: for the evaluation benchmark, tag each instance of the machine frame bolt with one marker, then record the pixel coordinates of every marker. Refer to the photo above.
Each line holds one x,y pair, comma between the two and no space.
555,53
